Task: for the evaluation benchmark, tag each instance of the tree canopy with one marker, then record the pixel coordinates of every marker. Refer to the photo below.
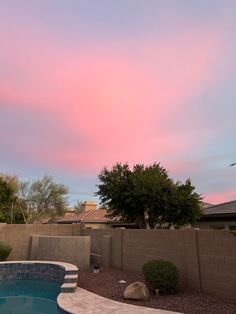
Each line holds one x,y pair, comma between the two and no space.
147,196
78,207
27,201
9,211
43,197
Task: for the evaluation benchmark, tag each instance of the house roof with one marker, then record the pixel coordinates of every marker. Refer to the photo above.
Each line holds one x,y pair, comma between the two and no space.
97,216
205,205
228,208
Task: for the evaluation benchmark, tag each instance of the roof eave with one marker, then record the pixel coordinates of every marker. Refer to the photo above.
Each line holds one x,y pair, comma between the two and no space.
218,216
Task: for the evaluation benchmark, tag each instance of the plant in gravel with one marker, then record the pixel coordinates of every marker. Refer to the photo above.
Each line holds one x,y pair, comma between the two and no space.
5,250
161,275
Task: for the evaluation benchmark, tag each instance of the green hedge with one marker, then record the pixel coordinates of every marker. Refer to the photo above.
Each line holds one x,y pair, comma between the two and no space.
5,250
162,275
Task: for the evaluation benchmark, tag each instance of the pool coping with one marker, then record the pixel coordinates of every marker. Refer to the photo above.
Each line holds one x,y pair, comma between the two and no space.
83,301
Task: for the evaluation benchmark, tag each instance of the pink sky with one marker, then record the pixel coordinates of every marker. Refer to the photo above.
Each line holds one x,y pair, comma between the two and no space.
74,102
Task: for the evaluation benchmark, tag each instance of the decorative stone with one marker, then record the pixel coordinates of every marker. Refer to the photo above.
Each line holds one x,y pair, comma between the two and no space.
136,291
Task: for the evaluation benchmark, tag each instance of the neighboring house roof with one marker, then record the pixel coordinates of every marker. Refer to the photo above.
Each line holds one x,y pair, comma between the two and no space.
223,209
92,216
46,220
205,205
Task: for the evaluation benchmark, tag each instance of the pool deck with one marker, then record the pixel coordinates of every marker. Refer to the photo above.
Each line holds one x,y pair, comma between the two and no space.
85,302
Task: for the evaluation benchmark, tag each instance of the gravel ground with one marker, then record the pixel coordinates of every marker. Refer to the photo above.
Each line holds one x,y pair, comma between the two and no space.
105,283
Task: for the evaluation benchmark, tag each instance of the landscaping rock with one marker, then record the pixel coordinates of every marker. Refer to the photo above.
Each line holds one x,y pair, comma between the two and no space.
136,291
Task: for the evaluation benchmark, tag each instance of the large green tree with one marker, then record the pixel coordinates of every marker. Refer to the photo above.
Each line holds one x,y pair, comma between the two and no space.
147,196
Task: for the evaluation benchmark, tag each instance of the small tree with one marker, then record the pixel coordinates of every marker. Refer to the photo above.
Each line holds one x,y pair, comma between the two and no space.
147,196
78,207
7,199
43,198
9,209
24,202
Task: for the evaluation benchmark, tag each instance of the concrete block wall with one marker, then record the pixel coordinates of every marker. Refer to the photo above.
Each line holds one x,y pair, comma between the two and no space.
217,256
140,247
69,249
106,250
96,238
206,259
19,236
2,231
97,244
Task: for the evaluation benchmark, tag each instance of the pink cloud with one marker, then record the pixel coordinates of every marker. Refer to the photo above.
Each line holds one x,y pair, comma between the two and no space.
118,99
220,197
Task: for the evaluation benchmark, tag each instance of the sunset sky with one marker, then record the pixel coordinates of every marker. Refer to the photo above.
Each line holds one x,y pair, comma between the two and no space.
86,84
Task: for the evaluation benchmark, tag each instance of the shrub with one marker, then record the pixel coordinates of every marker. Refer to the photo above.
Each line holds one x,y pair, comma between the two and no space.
162,275
5,250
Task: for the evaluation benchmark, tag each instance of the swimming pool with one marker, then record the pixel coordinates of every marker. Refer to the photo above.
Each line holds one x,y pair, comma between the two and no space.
32,287
29,297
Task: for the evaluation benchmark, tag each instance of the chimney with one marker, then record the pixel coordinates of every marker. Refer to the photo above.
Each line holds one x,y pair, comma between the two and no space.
89,205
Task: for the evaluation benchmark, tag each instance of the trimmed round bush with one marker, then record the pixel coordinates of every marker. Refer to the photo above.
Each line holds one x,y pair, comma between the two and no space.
5,250
162,275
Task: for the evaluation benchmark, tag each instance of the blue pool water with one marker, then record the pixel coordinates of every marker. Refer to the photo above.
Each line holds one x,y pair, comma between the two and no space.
29,297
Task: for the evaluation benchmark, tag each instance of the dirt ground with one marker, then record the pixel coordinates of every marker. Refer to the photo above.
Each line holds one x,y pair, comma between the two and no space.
106,283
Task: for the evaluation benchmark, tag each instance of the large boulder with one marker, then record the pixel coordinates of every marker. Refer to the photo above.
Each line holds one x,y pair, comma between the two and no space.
136,291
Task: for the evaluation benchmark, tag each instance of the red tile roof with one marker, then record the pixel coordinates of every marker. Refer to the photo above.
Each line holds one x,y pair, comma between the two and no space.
97,216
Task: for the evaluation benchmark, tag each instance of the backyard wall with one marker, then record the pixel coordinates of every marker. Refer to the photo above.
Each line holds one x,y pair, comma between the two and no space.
206,259
69,249
98,245
19,236
217,256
